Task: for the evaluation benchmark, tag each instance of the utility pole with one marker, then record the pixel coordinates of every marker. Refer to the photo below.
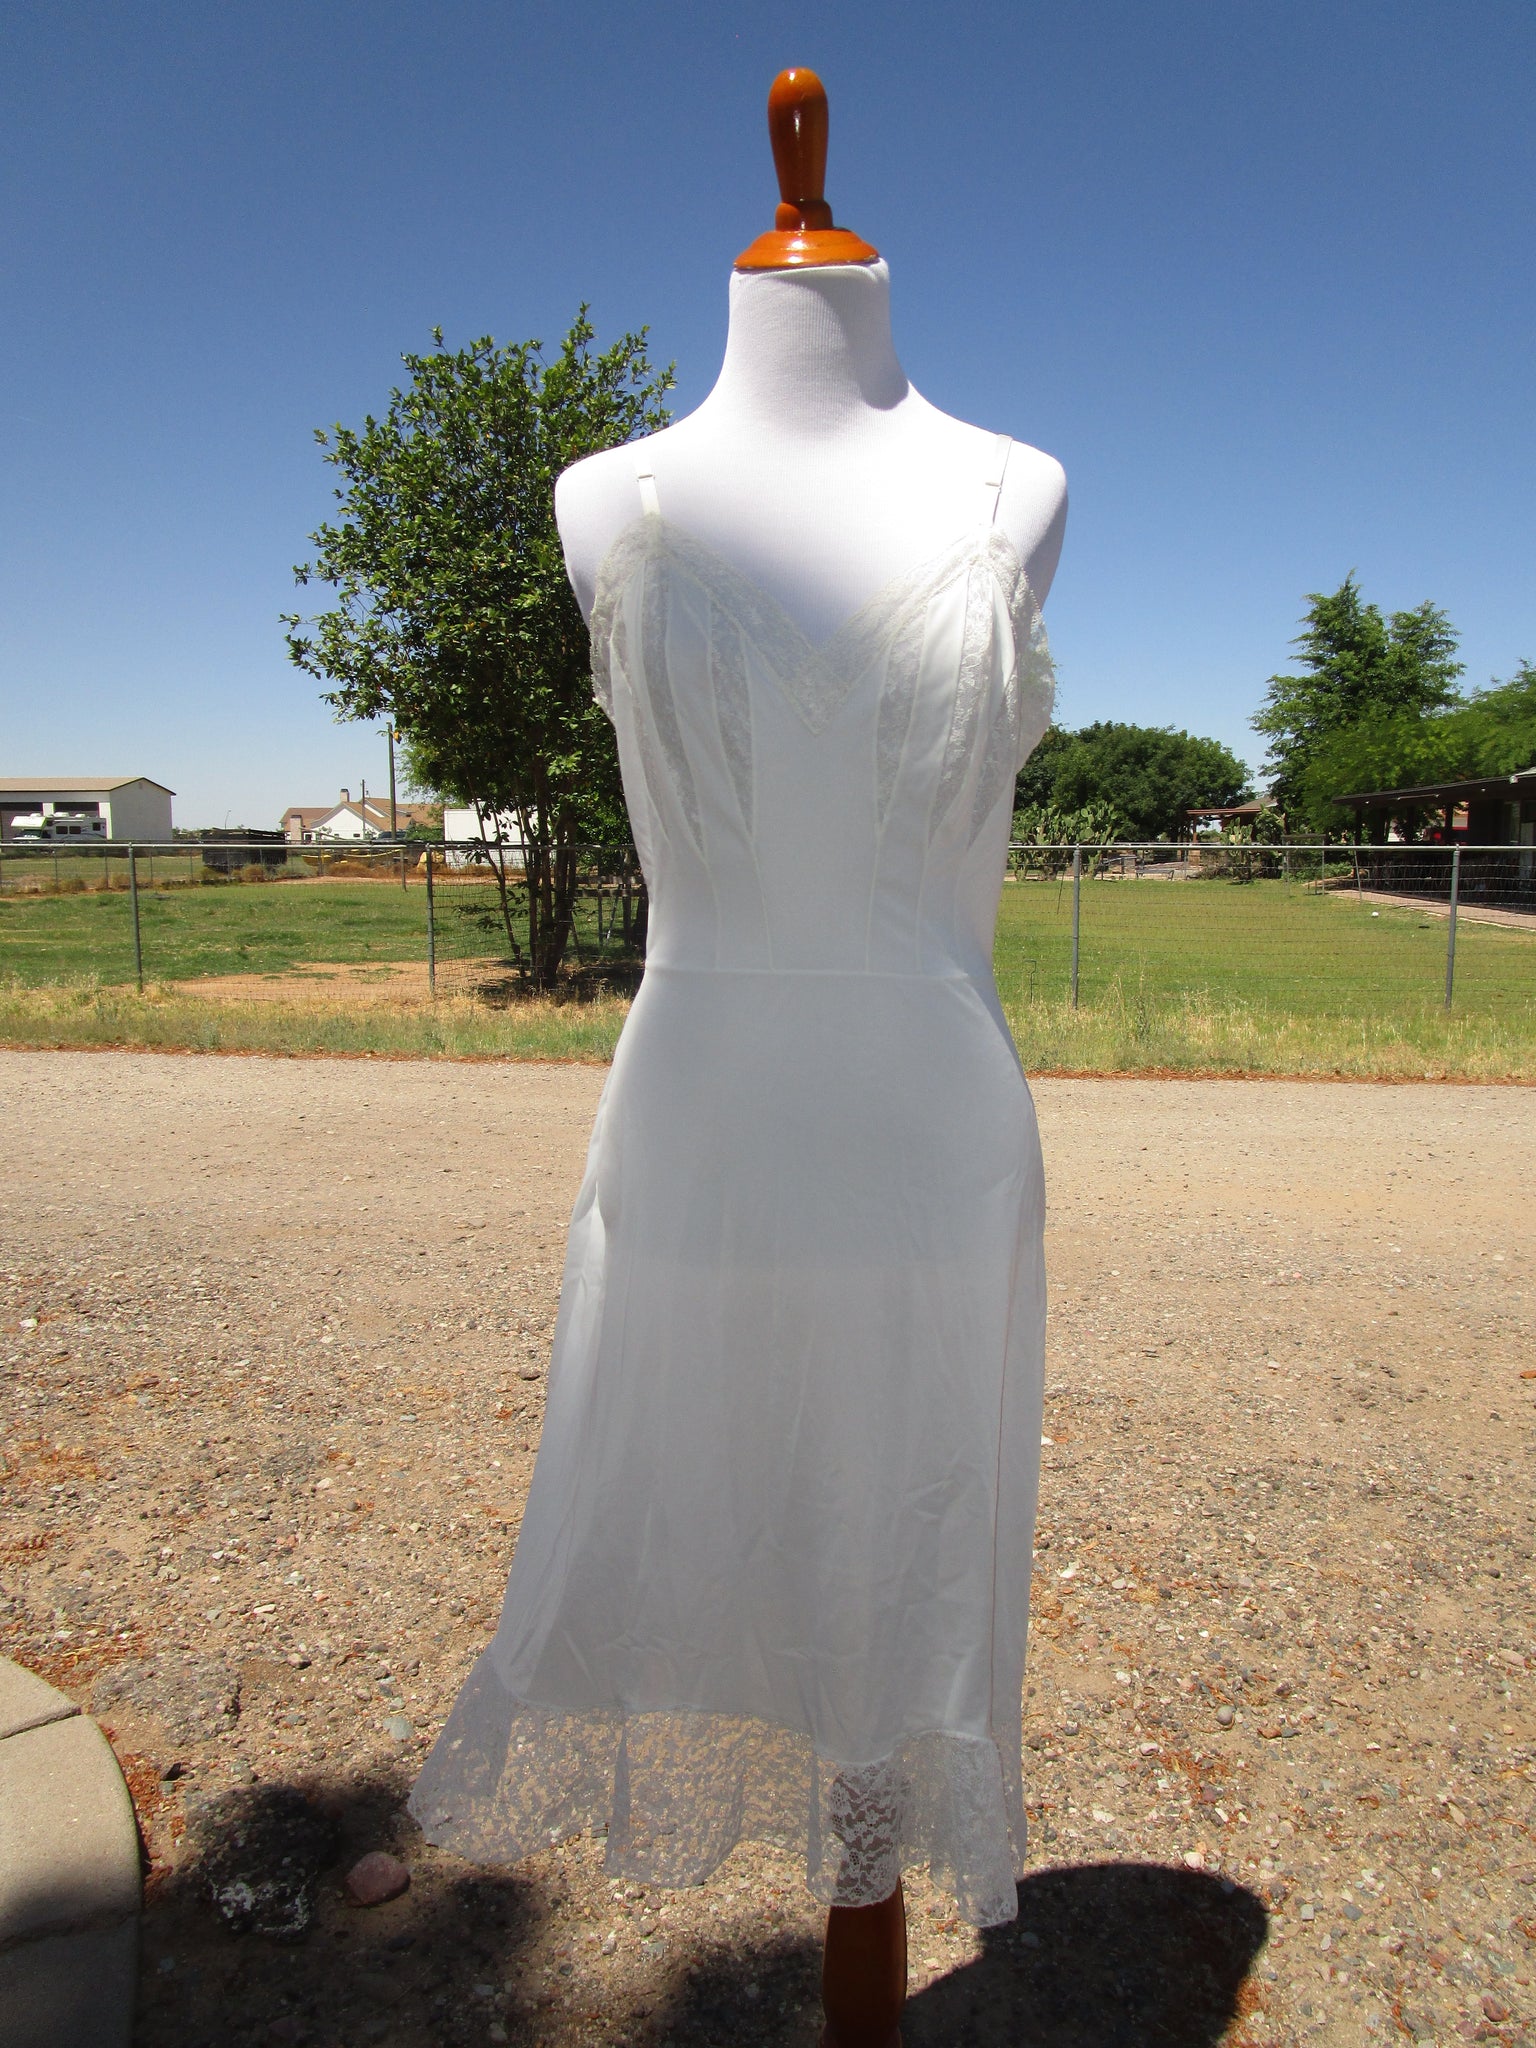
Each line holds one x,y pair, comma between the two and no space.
394,829
362,805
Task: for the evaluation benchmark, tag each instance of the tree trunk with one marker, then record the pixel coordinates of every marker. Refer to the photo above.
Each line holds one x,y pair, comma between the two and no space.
499,868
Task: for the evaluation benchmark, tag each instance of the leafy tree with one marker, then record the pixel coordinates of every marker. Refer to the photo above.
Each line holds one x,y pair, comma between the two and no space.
1149,776
1357,667
1035,788
1500,724
1488,732
454,617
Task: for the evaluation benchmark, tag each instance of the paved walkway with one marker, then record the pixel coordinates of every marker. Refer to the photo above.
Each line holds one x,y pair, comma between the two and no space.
69,1875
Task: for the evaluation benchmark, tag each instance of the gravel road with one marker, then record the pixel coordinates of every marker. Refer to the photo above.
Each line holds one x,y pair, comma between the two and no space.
273,1336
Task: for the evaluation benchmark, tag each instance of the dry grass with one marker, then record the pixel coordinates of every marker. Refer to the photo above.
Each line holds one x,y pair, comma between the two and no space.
166,1019
384,1012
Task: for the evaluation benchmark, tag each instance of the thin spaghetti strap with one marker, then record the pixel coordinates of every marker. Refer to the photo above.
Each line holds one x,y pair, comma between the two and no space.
645,476
997,469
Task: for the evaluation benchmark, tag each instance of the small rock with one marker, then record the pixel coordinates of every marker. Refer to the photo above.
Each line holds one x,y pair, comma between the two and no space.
1492,2010
1070,1728
399,1728
1309,1912
527,1372
1224,1717
376,1877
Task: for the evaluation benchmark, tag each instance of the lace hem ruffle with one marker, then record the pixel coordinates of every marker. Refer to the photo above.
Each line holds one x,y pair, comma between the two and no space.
677,1791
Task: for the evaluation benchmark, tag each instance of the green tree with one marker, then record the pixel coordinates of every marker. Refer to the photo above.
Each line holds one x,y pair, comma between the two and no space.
1035,788
1488,732
1149,776
454,618
1356,666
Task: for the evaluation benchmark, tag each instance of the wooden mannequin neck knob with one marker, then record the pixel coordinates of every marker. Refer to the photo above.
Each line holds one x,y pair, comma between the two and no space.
802,234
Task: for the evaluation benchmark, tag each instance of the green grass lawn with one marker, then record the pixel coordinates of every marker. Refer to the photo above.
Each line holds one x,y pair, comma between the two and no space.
240,928
255,928
1273,945
1267,977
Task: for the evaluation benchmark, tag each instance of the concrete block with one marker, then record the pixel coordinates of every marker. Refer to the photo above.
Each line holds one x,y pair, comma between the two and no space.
69,1849
27,1702
71,1990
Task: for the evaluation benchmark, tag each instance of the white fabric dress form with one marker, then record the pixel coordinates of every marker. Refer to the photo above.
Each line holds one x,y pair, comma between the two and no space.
813,466
773,1577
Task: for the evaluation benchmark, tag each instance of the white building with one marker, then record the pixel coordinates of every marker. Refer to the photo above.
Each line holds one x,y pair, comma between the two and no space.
462,821
84,808
351,818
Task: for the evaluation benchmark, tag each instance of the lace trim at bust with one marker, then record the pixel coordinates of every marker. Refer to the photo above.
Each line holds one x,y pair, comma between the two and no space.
817,680
675,1793
1024,708
658,690
733,706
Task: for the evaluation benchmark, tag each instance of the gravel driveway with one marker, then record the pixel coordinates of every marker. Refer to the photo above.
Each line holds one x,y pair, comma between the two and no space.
273,1335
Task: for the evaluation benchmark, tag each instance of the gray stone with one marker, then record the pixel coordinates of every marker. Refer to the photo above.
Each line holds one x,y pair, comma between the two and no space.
27,1702
71,1990
69,1847
399,1729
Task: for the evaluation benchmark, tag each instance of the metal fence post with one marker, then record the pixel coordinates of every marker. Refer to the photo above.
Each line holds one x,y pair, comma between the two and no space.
134,906
431,932
1077,913
1450,938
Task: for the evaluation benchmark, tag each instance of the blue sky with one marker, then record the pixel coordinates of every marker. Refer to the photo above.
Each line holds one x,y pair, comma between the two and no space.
1259,275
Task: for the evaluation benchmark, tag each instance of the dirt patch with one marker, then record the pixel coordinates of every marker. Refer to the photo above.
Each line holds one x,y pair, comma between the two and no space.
395,982
273,1336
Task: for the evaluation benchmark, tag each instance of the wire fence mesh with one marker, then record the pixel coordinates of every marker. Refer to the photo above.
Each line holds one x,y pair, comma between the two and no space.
478,923
456,915
1335,931
1305,930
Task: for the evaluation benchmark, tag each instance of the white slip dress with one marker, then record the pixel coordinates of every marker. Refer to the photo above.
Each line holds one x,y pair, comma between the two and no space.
773,1578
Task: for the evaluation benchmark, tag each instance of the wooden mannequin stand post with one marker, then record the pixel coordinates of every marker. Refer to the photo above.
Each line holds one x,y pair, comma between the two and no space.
864,1965
864,1974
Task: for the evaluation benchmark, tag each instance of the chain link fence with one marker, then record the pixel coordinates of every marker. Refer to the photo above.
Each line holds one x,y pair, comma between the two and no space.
477,922
457,913
1325,930
1335,930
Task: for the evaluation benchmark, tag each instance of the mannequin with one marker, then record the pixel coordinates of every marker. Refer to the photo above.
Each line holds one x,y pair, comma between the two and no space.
813,466
815,469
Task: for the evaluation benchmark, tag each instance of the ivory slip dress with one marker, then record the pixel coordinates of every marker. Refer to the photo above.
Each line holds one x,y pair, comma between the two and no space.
773,1577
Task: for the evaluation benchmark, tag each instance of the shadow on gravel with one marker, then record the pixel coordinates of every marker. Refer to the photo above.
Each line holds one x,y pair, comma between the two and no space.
1108,1955
1119,1955
251,1941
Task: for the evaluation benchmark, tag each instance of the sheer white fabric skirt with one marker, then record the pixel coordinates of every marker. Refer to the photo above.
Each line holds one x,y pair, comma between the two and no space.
773,1578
